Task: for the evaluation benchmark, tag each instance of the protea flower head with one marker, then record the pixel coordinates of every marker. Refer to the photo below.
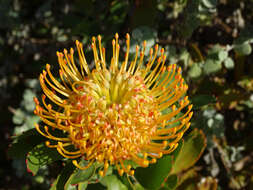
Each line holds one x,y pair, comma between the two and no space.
129,110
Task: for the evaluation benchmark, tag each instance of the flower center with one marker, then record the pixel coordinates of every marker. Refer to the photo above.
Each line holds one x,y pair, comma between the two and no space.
116,116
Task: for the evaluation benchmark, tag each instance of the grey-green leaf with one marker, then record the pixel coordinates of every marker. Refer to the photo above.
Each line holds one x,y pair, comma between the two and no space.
243,49
210,3
229,63
195,71
212,66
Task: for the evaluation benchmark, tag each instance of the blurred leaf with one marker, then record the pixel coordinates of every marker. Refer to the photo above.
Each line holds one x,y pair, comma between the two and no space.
196,13
18,117
30,120
24,143
41,155
212,66
242,43
212,123
222,55
210,3
113,183
202,100
206,10
28,102
60,182
194,146
153,176
195,71
83,175
190,24
140,34
217,53
32,83
243,49
214,50
184,55
229,63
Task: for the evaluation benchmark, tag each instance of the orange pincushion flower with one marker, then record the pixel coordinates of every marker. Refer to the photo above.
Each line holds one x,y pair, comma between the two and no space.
116,113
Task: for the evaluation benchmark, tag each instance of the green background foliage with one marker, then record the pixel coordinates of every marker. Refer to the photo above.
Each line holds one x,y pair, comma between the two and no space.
210,39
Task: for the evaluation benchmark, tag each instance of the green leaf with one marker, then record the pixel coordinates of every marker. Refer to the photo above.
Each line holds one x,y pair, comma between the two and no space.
195,71
137,186
82,186
212,66
83,175
229,63
171,182
243,49
63,177
202,100
125,180
113,183
31,166
194,146
153,176
41,155
25,143
176,152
